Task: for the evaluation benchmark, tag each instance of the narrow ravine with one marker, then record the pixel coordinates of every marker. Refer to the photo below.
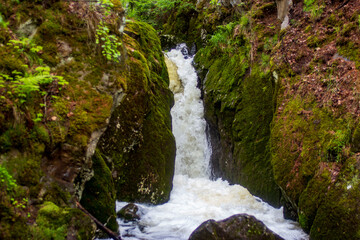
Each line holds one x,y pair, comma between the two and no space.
195,198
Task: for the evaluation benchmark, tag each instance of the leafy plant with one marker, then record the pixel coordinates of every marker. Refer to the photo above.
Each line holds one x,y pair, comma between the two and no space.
27,47
109,43
6,180
19,203
20,87
24,85
314,9
222,34
336,145
108,5
24,44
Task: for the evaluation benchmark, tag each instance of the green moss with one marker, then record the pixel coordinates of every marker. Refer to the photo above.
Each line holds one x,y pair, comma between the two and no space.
57,223
99,194
314,41
29,171
10,63
15,228
296,154
40,133
56,194
16,137
71,114
94,76
347,29
332,20
339,214
313,196
350,50
355,142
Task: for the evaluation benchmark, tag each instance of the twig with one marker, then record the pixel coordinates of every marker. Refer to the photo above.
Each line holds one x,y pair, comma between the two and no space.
342,5
98,223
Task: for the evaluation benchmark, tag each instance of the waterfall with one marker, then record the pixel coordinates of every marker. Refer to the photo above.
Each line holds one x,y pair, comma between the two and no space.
195,198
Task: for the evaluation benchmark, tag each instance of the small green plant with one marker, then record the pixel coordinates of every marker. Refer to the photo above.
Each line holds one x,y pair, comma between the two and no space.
19,203
336,145
23,45
109,43
265,60
108,5
3,23
20,87
38,117
314,9
215,2
27,47
222,34
6,180
31,82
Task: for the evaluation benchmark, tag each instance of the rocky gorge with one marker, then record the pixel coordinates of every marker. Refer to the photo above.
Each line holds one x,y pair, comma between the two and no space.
84,122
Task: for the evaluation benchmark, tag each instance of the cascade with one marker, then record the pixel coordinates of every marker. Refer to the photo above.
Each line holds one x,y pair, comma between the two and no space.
195,198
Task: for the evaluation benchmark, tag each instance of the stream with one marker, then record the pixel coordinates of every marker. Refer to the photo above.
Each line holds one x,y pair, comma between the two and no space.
195,198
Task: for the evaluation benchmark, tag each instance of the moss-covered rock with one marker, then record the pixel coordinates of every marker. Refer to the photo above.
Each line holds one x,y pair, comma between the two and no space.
138,144
241,226
339,213
99,194
54,222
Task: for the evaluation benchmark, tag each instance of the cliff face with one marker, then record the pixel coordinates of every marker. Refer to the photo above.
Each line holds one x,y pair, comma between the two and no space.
314,135
79,119
239,91
283,106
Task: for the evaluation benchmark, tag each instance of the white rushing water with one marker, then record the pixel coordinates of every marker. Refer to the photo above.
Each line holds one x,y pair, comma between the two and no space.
194,198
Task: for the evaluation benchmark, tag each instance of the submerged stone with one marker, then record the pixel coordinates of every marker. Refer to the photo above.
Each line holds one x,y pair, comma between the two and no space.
129,212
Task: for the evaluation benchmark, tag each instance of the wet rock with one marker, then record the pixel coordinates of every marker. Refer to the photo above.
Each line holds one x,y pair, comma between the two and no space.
140,126
64,48
175,82
129,213
240,226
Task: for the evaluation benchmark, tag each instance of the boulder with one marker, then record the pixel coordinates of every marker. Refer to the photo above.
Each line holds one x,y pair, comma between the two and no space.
129,213
240,226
